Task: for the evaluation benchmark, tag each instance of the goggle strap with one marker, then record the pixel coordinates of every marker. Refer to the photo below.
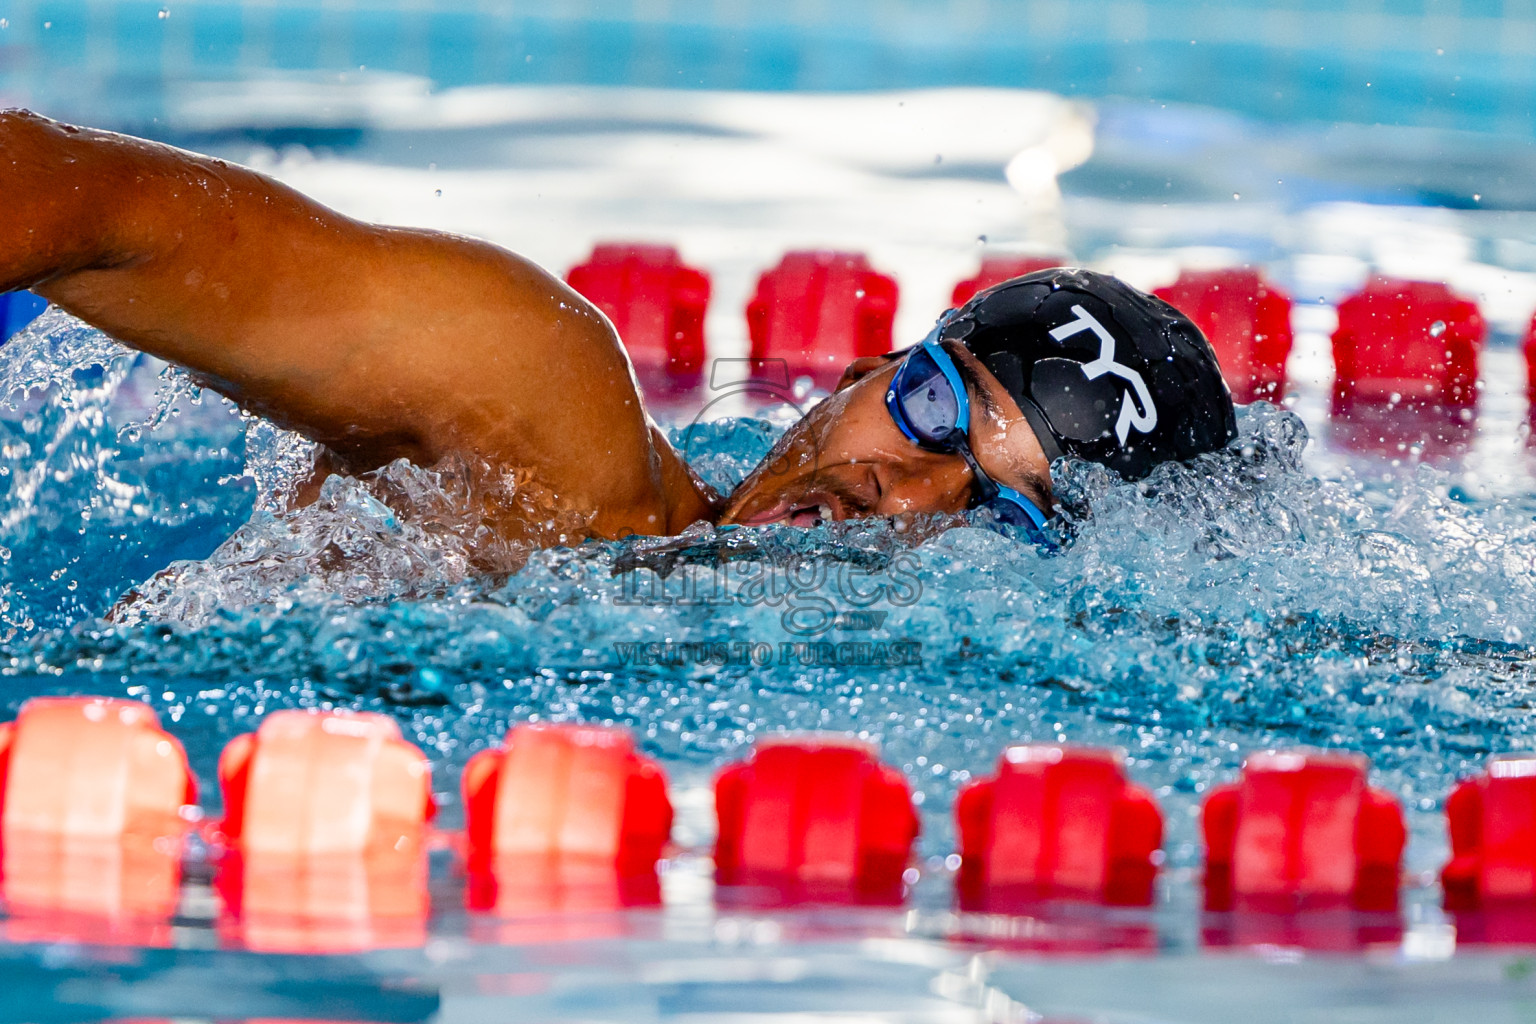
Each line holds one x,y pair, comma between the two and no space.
986,487
1037,422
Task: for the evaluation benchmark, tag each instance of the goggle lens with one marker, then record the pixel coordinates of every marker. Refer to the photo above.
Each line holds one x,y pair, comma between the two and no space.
927,400
925,403
1010,511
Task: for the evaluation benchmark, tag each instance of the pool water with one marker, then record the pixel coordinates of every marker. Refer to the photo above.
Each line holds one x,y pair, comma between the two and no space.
1294,589
1239,602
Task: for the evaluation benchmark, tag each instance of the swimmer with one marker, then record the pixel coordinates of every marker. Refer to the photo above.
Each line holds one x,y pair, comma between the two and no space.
383,343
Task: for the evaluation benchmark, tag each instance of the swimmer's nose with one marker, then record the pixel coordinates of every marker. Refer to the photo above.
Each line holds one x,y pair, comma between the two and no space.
938,484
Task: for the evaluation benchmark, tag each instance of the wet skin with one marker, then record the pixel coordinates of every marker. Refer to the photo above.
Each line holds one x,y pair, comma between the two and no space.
382,343
847,459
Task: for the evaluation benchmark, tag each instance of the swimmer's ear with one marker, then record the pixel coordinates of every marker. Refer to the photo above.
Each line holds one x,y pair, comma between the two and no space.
863,367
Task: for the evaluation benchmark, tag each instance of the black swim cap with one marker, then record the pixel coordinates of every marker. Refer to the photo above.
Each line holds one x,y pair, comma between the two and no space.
1101,371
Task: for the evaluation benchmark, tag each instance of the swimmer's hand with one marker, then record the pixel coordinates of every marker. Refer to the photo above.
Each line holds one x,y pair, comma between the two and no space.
378,342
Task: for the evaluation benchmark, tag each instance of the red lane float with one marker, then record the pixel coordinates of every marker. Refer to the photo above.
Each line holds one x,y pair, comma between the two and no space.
564,817
1248,322
1492,821
324,782
91,767
814,817
325,819
1302,828
656,303
1319,929
1530,377
1489,883
1057,822
324,903
818,311
999,267
1406,343
93,794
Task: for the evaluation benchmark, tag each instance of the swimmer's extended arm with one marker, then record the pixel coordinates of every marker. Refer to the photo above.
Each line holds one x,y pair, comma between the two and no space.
378,342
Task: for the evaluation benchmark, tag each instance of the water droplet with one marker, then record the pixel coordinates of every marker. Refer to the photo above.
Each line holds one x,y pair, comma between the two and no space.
165,12
1477,197
1237,195
1437,328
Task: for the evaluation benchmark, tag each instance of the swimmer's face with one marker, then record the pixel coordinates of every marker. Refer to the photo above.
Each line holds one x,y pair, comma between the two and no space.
847,459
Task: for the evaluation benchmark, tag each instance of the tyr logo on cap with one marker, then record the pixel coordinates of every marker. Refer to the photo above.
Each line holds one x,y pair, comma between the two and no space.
1101,371
1139,412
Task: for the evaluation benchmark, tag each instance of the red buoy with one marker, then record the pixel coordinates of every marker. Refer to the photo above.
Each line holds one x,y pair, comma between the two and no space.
656,303
325,819
814,817
1492,820
1407,343
1302,826
1057,822
324,902
324,782
92,821
819,311
564,816
1248,322
1530,376
91,767
999,267
571,791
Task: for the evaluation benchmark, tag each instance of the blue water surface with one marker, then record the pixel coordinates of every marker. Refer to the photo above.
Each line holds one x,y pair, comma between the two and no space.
1401,62
1230,604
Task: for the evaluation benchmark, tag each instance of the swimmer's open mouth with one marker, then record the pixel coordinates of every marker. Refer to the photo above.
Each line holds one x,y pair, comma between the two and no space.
807,510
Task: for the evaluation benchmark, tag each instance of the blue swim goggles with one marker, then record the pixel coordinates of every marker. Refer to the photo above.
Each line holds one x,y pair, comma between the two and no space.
928,401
